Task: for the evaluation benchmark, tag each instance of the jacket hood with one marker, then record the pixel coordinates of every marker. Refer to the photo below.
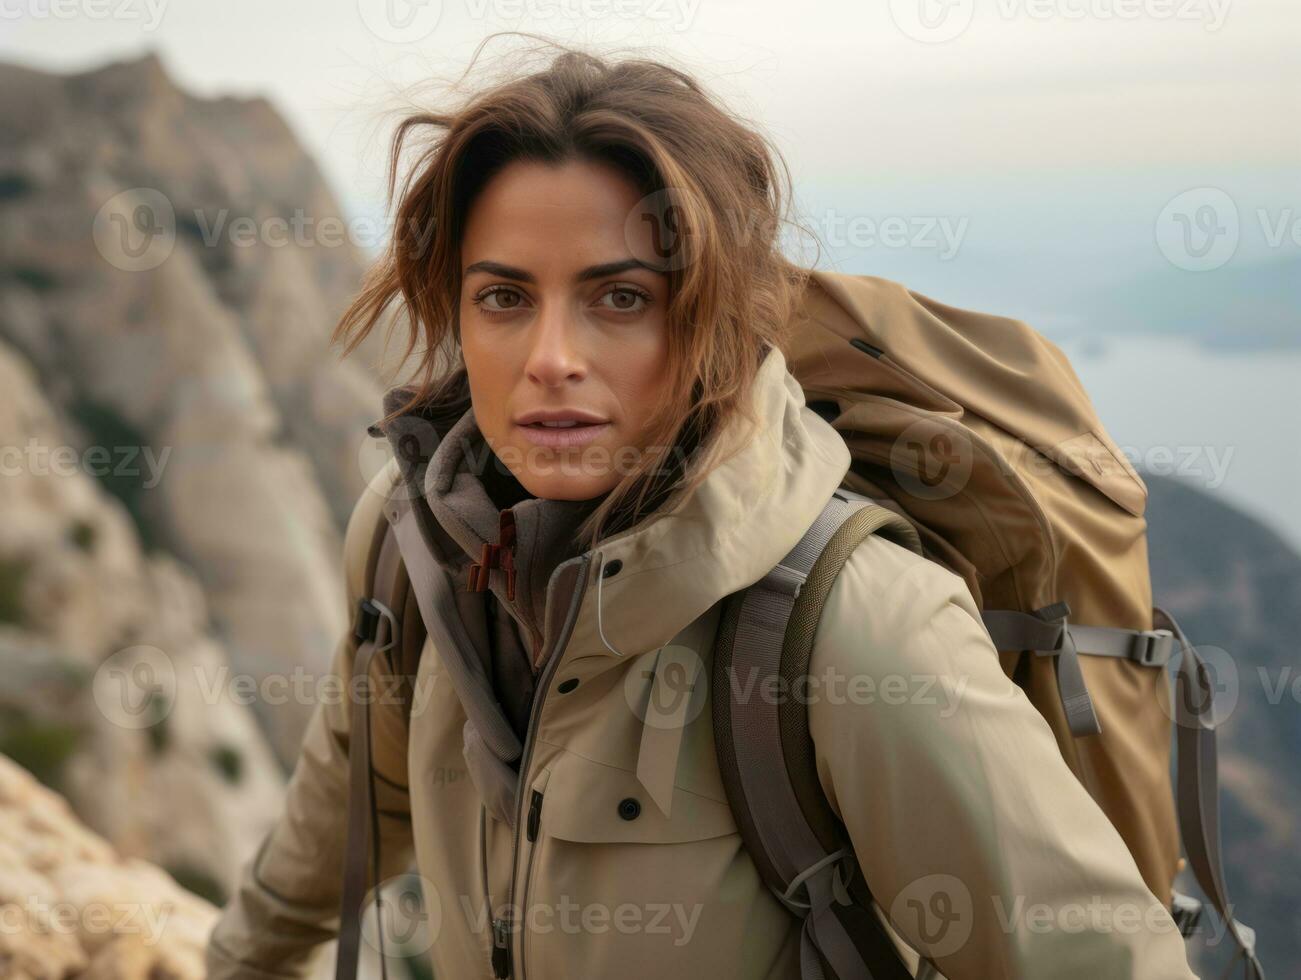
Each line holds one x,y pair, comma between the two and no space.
748,513
477,501
676,562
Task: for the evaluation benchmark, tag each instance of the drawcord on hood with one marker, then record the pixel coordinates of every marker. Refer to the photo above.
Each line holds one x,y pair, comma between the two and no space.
600,629
500,555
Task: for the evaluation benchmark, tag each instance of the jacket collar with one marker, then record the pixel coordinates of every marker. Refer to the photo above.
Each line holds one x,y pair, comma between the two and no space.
746,515
511,540
693,550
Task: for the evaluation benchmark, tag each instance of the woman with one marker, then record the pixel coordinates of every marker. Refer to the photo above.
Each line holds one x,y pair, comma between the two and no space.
587,256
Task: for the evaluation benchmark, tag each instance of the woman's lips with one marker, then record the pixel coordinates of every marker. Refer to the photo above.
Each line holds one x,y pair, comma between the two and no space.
556,437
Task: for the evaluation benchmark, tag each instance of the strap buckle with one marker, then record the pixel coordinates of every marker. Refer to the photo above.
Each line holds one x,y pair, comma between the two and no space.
366,623
1152,648
1058,614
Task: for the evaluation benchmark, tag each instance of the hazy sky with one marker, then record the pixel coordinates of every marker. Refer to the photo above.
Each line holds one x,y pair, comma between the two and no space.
1068,120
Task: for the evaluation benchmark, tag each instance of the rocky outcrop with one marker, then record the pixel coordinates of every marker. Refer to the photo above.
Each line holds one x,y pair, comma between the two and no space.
76,909
170,267
115,688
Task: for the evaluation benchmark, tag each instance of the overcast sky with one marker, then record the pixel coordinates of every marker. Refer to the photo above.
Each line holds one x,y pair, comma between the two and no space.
1033,118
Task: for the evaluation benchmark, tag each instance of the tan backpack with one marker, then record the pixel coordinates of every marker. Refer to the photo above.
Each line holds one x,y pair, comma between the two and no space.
975,430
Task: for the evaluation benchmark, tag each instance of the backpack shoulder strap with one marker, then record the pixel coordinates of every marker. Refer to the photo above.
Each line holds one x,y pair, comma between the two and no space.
377,633
785,821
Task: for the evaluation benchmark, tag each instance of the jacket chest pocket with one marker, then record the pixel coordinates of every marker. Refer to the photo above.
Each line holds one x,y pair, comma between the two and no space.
616,887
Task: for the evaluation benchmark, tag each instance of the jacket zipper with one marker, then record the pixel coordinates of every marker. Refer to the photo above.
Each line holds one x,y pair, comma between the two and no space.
502,945
535,816
531,833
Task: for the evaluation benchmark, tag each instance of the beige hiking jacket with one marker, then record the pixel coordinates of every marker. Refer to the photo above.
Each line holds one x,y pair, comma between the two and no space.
975,838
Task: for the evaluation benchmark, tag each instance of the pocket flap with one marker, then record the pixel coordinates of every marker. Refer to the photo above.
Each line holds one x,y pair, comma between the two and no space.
583,804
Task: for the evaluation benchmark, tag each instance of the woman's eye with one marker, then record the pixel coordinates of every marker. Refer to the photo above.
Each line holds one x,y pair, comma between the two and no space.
498,299
627,299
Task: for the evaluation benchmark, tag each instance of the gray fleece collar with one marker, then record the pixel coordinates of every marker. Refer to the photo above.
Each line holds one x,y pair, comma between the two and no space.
456,489
463,482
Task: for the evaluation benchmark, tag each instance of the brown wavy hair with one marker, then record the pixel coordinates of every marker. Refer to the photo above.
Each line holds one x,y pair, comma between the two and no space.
715,185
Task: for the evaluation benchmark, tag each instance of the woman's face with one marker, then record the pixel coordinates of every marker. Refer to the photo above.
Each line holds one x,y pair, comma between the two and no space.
562,320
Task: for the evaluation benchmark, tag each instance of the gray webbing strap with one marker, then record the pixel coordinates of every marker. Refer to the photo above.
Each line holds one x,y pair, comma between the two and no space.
1047,632
443,623
791,843
1013,630
363,822
1198,792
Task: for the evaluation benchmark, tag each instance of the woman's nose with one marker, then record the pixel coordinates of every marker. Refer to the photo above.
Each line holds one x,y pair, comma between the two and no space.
555,351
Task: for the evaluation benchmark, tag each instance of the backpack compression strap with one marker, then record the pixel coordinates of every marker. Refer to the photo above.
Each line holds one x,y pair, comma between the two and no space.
377,630
1046,632
766,757
1198,791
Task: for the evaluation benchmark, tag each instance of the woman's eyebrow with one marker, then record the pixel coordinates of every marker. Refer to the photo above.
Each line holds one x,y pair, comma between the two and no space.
591,272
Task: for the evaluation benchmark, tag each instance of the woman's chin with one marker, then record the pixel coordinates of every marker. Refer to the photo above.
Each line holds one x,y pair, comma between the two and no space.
566,479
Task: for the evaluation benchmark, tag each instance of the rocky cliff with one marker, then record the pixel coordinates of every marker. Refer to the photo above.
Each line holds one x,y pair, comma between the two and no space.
147,282
76,908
